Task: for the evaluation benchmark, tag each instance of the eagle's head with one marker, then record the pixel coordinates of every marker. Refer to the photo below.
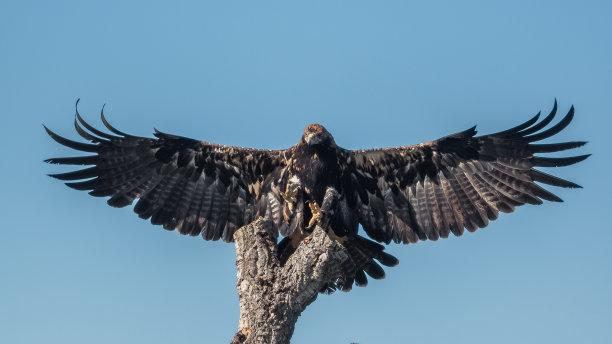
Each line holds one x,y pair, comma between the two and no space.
316,136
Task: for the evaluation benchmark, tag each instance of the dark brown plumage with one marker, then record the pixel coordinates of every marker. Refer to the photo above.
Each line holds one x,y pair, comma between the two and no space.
402,194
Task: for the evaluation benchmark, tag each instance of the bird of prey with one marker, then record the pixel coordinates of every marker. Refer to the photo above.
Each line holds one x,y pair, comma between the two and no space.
400,194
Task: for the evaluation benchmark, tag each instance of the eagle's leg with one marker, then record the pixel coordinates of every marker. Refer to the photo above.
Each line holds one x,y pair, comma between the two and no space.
315,210
292,198
322,215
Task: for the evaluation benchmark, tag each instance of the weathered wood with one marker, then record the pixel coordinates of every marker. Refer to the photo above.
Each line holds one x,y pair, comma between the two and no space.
272,296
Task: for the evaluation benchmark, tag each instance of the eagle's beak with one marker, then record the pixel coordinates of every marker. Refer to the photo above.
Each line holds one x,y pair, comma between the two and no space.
310,139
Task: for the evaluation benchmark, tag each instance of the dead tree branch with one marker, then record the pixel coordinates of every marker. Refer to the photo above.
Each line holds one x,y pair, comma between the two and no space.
272,296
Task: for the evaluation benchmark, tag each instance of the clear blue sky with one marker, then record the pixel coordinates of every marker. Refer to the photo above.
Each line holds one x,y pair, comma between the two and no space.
74,270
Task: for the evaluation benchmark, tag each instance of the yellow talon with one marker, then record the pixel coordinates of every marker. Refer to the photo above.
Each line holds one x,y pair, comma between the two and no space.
314,207
316,213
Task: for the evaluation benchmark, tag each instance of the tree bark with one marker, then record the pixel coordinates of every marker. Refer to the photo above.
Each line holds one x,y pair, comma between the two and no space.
272,296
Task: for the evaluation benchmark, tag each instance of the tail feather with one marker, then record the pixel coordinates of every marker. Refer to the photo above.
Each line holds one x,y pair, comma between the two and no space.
365,256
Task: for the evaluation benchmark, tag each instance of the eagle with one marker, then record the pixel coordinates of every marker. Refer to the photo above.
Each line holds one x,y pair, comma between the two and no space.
401,194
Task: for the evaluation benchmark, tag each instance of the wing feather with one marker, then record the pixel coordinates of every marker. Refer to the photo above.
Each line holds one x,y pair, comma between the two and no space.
538,126
446,213
437,220
459,181
458,213
421,220
192,186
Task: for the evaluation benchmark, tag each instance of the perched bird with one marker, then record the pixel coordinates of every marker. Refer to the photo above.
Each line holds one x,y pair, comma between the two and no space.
401,194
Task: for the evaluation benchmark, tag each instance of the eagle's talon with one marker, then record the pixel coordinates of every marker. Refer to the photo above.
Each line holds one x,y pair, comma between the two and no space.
316,214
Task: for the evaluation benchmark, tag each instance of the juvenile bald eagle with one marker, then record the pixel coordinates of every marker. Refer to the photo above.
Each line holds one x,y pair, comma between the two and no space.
401,194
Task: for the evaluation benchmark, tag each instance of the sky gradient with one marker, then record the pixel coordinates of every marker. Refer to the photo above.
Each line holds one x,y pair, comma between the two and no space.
74,270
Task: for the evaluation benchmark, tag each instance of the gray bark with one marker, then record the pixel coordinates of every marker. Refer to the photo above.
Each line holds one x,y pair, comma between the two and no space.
272,296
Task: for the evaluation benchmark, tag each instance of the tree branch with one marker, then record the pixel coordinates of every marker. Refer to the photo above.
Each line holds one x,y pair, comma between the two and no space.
272,296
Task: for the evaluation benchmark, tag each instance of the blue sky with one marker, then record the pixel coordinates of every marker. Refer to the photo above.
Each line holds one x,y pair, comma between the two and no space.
375,74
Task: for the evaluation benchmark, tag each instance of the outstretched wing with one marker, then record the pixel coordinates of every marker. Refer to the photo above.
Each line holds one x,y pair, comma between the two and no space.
460,181
192,186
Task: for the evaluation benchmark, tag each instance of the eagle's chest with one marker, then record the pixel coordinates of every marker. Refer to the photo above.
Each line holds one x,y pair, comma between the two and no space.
316,172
